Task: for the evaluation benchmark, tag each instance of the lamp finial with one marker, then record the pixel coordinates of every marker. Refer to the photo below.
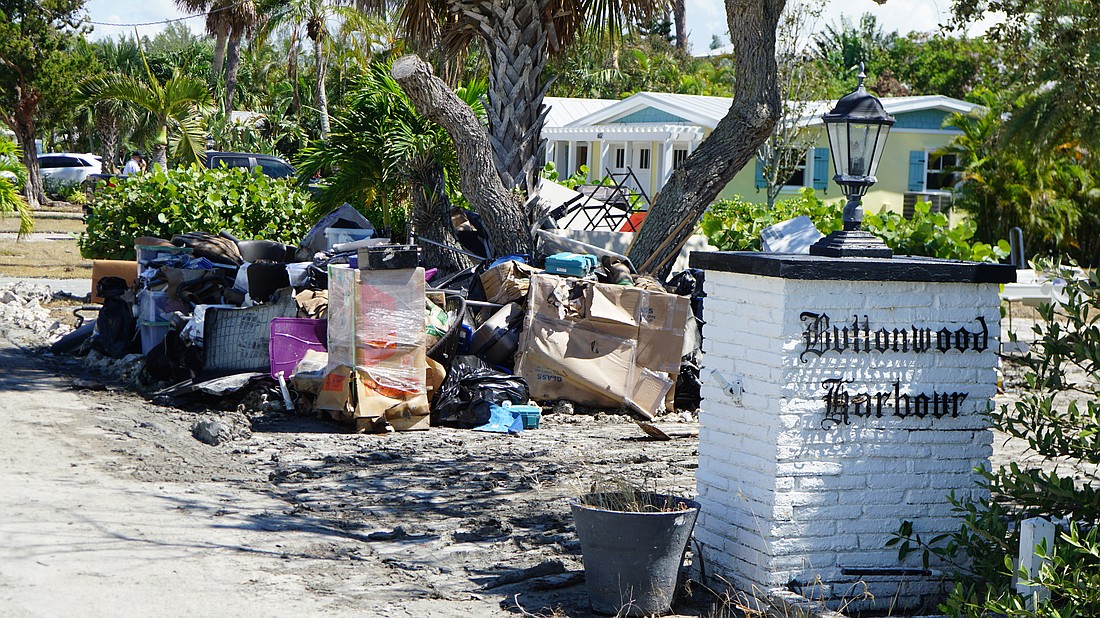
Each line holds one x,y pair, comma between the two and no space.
862,75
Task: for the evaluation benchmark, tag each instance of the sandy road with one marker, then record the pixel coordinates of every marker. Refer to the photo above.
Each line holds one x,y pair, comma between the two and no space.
76,540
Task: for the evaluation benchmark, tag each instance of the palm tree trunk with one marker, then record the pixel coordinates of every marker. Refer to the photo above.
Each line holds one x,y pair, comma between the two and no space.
503,216
219,52
106,122
516,38
727,150
159,155
292,74
431,215
679,13
233,63
322,96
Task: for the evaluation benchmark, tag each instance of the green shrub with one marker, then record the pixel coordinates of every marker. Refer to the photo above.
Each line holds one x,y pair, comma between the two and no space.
1057,413
63,189
735,225
159,203
930,234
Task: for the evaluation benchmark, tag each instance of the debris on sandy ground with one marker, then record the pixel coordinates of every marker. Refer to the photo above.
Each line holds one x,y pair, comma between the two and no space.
21,309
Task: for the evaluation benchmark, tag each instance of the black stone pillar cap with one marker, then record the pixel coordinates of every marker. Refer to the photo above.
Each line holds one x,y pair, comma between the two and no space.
814,267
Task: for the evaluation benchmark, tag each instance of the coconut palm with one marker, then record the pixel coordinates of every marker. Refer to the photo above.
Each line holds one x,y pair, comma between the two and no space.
518,37
314,18
228,21
13,177
175,107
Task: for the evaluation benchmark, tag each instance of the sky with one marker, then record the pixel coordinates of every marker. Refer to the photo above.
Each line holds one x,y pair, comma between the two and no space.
705,17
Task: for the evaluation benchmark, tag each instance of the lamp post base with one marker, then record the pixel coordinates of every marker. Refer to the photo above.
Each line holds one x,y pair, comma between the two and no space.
851,243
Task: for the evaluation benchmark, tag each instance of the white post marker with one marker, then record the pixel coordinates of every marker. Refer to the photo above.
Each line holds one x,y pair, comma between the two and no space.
1033,533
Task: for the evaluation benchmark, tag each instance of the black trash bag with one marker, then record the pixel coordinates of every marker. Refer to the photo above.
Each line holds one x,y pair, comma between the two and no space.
116,328
470,232
689,385
167,361
471,384
689,283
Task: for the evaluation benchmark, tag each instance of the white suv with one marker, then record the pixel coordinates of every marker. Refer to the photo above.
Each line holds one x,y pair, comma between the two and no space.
68,167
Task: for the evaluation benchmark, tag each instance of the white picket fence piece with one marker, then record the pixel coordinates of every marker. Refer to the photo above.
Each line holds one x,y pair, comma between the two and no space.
1034,532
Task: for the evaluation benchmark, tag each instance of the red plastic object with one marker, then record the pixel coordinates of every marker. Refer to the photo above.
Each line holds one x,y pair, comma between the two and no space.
633,222
291,338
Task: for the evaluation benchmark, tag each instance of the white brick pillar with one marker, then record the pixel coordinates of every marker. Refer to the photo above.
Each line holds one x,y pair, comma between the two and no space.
865,383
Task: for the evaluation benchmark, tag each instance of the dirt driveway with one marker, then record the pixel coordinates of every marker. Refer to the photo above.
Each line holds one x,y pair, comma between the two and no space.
111,508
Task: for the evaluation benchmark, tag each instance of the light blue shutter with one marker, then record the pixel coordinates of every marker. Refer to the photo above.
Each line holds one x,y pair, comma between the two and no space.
916,169
821,169
760,182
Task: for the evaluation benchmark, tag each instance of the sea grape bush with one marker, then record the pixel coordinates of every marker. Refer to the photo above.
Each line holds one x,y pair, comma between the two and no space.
163,203
1057,413
735,225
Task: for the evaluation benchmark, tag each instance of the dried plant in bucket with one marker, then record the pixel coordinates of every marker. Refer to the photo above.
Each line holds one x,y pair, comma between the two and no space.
618,494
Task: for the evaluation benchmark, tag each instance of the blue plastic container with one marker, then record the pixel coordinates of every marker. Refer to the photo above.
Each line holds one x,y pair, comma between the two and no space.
531,415
571,264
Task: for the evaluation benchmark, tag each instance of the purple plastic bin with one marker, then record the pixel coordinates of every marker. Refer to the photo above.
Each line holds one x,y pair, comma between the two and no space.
291,338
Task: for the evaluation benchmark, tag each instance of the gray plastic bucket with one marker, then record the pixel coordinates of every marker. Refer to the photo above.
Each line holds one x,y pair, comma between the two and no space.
632,560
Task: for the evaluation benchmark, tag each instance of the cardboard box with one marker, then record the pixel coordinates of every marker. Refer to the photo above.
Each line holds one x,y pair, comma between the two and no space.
601,345
126,269
507,282
376,331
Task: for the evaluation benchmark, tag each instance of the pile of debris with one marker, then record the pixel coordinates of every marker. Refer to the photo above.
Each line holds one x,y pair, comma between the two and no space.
21,307
357,329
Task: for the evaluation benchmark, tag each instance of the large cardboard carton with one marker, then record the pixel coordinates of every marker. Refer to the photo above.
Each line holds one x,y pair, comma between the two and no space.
377,339
601,345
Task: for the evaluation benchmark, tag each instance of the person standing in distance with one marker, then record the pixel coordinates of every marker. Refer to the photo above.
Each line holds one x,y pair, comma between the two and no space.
135,165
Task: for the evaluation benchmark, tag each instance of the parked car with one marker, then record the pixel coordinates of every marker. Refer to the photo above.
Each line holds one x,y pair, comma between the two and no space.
68,167
271,166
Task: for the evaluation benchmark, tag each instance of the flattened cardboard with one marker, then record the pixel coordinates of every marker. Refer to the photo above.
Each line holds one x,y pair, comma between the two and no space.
563,361
507,282
601,345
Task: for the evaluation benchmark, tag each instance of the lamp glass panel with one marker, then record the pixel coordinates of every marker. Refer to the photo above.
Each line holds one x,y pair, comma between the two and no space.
838,144
884,131
861,148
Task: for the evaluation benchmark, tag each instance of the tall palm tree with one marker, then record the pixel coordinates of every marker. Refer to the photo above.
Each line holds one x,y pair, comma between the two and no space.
518,37
175,106
314,18
228,21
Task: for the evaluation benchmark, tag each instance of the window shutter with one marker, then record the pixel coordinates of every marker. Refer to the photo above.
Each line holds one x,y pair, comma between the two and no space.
821,169
916,169
760,182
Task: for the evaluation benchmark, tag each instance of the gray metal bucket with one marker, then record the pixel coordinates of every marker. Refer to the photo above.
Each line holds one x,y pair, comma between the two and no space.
632,560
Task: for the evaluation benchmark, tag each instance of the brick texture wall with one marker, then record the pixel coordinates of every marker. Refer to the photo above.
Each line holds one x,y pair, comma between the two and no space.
792,498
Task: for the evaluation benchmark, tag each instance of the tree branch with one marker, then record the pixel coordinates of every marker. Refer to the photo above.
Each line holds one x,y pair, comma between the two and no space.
478,178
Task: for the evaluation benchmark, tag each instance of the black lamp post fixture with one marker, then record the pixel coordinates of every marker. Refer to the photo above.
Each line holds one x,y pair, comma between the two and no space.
857,127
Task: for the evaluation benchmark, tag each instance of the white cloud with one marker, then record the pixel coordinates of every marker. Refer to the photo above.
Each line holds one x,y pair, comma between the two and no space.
708,17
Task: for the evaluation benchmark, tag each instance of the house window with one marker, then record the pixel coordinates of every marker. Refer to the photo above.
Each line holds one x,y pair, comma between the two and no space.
940,174
679,155
798,176
620,157
582,157
643,159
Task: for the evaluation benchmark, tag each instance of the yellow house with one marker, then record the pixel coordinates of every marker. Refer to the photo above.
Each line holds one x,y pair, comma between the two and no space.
650,134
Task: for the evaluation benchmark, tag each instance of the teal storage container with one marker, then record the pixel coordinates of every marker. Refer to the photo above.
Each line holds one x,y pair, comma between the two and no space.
531,415
571,264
